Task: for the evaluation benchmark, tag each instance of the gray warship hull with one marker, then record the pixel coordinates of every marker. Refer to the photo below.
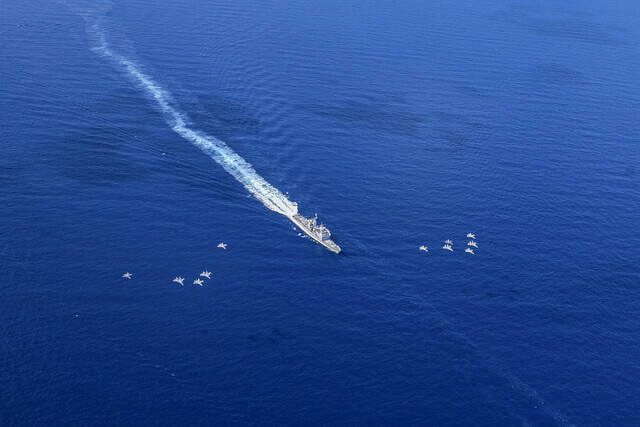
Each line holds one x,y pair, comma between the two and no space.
310,229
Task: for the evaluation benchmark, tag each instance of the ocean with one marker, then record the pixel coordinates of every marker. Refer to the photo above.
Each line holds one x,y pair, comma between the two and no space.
137,135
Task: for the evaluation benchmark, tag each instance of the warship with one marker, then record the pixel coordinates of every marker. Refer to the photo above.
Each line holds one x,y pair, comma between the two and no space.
319,233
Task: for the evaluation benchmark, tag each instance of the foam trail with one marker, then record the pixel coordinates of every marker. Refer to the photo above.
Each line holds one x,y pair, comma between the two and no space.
270,196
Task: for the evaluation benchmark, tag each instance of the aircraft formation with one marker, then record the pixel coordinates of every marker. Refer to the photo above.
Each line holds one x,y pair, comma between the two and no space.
448,245
180,280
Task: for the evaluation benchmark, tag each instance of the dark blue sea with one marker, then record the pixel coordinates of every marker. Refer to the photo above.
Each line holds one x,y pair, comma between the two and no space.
137,135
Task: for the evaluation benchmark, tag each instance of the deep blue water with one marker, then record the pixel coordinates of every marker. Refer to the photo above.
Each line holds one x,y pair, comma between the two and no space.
400,124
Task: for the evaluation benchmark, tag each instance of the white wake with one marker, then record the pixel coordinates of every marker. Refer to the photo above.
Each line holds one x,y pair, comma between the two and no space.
270,196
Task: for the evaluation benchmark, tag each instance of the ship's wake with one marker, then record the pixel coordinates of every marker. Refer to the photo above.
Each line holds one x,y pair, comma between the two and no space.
241,170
